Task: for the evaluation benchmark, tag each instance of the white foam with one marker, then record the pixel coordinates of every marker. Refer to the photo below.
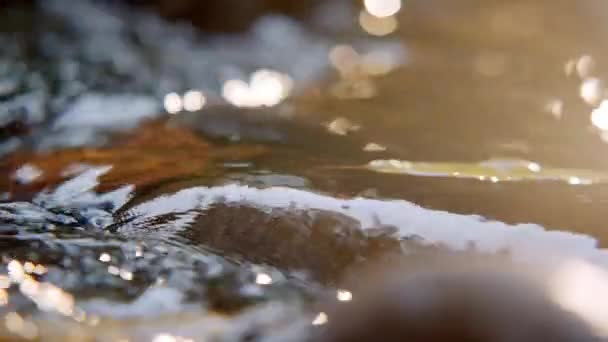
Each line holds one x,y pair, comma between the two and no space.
524,241
83,184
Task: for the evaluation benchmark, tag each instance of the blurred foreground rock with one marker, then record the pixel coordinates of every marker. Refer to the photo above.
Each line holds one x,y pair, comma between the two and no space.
453,299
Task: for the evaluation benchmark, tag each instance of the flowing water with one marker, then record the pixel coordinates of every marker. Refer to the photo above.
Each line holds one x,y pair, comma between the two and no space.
162,183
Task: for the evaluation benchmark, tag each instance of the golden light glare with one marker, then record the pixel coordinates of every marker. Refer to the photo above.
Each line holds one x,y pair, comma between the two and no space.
374,147
40,269
265,88
270,86
15,271
173,103
591,90
534,167
377,26
194,100
3,297
29,267
29,287
599,116
342,126
113,270
170,338
46,296
585,66
320,319
382,8
19,326
5,282
105,257
126,275
52,298
164,338
236,92
555,107
575,181
13,322
344,295
263,279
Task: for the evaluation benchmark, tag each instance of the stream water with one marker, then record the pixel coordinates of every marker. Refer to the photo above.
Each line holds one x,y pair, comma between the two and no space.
161,183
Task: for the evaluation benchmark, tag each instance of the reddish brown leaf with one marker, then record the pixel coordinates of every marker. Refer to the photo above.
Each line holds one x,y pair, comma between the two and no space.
154,153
